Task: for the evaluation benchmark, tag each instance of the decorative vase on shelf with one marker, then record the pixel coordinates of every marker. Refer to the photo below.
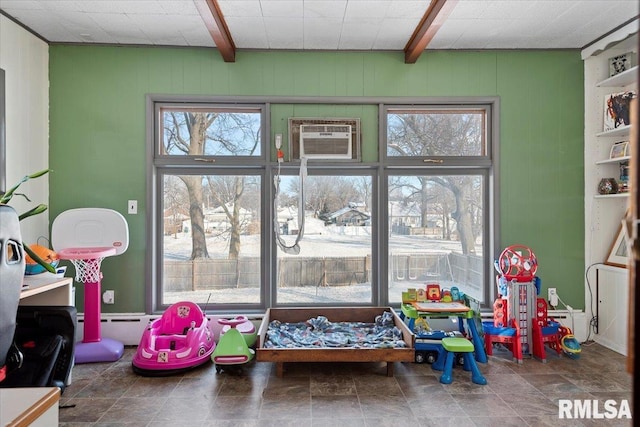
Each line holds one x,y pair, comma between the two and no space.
608,186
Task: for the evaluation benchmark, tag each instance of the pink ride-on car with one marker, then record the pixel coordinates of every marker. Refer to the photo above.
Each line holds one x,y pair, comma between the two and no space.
181,339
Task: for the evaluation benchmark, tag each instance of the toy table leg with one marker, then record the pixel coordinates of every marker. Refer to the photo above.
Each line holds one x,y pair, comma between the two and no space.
94,348
478,344
412,321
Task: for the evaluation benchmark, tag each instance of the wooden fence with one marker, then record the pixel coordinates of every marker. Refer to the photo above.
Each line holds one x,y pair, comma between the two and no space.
468,270
211,274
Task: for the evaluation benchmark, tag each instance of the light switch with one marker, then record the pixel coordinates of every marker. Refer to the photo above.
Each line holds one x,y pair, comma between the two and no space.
132,207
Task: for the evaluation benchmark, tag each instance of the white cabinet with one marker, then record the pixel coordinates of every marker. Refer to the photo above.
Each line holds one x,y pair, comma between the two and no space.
604,213
612,308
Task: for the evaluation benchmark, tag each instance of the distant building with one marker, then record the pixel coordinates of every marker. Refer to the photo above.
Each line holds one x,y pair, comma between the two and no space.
288,220
407,219
216,219
405,216
173,220
347,216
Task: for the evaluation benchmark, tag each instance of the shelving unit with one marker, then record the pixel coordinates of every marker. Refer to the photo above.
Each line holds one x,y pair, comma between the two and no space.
618,160
603,213
611,196
621,131
623,79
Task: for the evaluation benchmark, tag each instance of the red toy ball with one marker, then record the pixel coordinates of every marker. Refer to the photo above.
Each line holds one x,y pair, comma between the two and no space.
518,262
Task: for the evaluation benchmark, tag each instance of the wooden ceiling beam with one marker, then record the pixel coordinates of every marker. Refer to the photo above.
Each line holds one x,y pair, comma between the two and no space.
433,18
214,20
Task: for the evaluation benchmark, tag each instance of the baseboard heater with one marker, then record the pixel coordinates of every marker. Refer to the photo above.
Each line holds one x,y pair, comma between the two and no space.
126,328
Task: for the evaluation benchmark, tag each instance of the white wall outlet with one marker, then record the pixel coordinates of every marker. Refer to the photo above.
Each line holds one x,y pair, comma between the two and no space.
553,297
108,297
132,207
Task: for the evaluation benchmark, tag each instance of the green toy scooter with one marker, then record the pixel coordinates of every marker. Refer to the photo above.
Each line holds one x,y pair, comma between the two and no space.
233,346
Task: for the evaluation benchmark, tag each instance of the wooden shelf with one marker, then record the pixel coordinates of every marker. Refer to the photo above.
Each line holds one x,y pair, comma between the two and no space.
621,131
623,79
617,160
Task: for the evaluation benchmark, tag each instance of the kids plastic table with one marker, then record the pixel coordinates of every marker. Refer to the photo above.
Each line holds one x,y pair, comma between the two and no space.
416,310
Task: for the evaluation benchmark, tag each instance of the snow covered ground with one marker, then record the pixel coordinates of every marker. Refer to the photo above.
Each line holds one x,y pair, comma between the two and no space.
318,241
354,294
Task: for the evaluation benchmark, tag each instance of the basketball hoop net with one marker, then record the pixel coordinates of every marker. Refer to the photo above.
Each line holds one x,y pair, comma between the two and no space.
88,270
87,262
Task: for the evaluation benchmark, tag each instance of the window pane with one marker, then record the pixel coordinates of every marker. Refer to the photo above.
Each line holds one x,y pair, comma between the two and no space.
211,250
436,133
210,132
436,233
334,263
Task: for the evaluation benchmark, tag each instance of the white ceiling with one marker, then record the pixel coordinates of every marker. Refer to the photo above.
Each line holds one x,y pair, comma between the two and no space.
325,24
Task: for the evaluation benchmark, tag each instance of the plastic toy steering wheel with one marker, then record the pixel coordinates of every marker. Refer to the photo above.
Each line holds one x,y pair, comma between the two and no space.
518,262
233,322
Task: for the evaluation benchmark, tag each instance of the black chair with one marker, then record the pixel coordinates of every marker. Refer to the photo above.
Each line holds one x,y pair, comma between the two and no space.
36,342
45,336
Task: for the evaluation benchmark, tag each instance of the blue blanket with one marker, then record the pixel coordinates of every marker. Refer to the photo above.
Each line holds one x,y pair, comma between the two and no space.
319,332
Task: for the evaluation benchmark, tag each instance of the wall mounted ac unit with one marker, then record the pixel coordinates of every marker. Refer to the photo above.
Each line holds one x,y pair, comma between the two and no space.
325,141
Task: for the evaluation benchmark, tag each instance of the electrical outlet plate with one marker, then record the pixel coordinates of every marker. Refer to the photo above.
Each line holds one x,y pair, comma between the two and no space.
108,297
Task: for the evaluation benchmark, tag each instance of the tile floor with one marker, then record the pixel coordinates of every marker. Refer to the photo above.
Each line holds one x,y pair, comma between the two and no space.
316,395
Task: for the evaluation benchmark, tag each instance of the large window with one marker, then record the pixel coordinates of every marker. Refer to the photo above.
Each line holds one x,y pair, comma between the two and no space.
436,132
211,238
436,232
210,131
233,229
438,226
333,266
208,176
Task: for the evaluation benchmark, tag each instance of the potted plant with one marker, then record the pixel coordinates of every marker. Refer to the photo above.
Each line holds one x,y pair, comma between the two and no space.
6,198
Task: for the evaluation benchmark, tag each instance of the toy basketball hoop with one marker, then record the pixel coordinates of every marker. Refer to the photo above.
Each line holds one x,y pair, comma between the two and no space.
86,237
87,262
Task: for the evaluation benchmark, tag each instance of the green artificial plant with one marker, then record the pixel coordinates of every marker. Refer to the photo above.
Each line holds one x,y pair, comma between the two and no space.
6,197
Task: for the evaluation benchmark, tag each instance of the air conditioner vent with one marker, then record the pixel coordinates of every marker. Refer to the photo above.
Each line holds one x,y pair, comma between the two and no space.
326,128
324,139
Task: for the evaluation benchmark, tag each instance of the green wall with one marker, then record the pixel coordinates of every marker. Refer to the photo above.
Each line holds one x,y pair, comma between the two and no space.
97,132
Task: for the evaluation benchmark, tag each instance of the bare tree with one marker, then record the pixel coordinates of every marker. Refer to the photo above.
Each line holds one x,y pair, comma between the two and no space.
198,133
443,134
174,202
363,186
325,194
228,193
